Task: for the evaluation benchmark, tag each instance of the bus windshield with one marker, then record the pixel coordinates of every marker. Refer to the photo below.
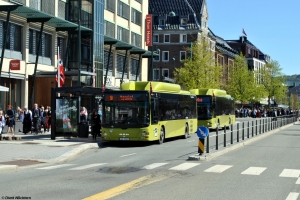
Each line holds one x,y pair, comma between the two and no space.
204,111
126,113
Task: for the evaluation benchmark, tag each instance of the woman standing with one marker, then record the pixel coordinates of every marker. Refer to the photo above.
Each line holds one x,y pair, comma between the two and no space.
11,120
2,121
27,120
96,124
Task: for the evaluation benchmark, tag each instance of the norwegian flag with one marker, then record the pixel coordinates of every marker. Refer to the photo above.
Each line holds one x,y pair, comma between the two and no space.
244,32
60,74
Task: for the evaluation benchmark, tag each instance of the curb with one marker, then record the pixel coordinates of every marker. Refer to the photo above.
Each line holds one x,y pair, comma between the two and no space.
208,156
8,167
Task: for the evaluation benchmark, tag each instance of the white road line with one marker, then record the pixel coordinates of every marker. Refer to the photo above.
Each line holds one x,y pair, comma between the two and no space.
298,181
154,165
294,173
184,166
218,168
128,155
254,170
87,166
292,196
56,166
191,141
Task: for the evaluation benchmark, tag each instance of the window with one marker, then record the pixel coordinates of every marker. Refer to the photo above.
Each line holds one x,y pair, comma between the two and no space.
183,21
249,51
161,22
123,10
156,74
109,5
136,39
165,72
16,34
156,58
183,38
167,38
123,34
37,37
7,42
119,66
31,42
165,56
47,45
155,38
182,55
136,16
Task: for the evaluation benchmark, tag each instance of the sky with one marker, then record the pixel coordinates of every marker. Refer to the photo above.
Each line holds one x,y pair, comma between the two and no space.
273,26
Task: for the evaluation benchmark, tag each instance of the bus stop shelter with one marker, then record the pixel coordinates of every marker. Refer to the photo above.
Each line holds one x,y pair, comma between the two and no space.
66,103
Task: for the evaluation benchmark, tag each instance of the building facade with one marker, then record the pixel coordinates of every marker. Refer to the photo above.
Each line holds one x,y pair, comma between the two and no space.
176,26
124,42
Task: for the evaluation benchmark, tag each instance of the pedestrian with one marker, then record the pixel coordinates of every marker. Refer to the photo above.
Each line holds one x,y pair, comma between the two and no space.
2,121
48,125
26,120
43,118
83,114
36,119
11,120
96,124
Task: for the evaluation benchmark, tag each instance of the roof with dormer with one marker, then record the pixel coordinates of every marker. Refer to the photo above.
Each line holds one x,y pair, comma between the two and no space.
189,9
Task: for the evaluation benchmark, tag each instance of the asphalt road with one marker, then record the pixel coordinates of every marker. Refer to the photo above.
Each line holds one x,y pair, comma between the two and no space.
267,168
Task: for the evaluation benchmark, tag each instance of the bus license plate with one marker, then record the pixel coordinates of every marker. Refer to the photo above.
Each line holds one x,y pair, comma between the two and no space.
124,139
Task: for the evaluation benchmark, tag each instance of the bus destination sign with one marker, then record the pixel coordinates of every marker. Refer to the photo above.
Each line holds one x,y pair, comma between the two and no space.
203,99
125,97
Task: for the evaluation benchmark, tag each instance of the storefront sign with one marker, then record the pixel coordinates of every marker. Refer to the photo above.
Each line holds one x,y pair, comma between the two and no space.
15,65
148,30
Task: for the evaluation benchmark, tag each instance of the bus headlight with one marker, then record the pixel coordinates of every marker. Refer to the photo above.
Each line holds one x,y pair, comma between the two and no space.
104,134
144,133
111,130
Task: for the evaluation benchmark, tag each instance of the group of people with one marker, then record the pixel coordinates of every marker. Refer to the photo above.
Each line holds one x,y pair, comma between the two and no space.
7,120
262,112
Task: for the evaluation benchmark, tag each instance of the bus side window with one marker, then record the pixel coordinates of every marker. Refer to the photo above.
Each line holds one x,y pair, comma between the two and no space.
154,110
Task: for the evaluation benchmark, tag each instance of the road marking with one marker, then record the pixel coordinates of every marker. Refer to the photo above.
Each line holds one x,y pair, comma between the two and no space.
292,196
154,165
294,173
218,168
184,166
298,181
191,141
128,155
254,170
56,166
126,187
87,166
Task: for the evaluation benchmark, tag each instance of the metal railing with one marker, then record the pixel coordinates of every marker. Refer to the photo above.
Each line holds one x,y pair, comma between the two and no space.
247,129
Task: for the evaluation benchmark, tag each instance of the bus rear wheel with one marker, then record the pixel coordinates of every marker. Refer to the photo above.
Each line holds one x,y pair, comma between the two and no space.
186,132
161,136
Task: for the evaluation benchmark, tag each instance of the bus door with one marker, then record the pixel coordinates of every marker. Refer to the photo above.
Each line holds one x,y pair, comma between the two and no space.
154,110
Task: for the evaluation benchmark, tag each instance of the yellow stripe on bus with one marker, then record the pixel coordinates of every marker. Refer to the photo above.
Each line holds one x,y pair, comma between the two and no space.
140,182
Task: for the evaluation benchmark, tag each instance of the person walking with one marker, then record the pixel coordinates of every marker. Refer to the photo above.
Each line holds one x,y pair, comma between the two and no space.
48,118
96,124
43,118
36,118
2,121
26,120
11,120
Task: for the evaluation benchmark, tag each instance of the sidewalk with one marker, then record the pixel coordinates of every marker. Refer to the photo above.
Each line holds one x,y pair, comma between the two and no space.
34,149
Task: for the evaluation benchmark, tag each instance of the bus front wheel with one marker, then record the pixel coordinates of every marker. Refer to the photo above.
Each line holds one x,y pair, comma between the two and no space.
161,136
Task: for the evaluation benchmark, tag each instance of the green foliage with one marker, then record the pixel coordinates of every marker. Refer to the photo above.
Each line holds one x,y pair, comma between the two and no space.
274,82
241,82
200,70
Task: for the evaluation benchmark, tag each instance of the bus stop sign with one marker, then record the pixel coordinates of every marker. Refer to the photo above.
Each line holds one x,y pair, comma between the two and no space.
202,132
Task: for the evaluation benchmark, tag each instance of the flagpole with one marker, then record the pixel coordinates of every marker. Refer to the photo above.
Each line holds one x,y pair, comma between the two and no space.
58,70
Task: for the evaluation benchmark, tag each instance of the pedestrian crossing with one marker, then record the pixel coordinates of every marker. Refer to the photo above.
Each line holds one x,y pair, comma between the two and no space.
290,173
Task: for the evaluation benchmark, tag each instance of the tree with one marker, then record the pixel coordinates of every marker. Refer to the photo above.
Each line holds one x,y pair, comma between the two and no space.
274,82
241,82
200,70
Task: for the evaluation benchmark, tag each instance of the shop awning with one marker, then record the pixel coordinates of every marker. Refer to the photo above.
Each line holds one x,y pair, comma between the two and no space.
4,89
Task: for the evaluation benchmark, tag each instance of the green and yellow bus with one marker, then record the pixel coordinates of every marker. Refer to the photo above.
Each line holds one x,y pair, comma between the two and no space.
215,108
148,111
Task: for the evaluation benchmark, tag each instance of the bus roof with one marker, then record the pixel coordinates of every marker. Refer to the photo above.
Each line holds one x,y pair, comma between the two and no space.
205,91
156,87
